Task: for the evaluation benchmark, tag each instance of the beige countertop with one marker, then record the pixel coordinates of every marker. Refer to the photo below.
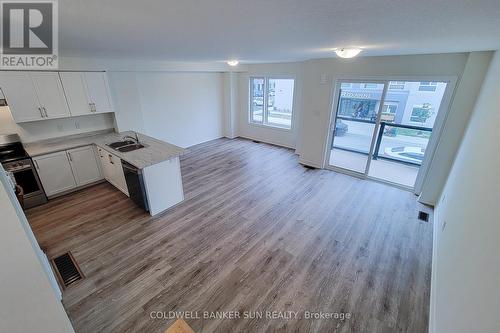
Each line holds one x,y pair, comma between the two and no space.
155,151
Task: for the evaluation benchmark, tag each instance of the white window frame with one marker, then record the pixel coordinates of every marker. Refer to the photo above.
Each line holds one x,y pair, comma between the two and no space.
265,111
441,115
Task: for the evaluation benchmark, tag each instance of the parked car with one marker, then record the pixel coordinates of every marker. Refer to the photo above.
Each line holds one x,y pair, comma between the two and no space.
340,128
408,154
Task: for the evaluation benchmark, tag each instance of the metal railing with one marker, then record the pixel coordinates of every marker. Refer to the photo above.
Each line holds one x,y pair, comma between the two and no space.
380,135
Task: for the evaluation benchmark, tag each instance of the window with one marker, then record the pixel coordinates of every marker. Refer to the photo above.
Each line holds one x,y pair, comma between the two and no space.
427,86
358,108
390,107
257,99
420,114
389,110
271,101
396,85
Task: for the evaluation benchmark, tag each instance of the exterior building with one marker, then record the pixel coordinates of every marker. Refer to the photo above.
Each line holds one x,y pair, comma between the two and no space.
407,103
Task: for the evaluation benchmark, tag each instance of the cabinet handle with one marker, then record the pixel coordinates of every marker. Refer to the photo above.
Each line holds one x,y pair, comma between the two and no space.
41,113
69,156
45,111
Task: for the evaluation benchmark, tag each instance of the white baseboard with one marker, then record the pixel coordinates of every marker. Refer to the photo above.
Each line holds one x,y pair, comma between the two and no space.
266,141
310,163
432,308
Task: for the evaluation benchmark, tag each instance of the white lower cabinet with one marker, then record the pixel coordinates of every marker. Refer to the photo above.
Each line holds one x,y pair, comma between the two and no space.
84,165
106,166
55,173
112,170
66,170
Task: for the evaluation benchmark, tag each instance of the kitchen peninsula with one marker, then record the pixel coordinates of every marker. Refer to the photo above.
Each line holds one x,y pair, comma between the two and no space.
144,168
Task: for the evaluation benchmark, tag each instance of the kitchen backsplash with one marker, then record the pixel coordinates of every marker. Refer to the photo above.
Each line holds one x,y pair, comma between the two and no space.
46,129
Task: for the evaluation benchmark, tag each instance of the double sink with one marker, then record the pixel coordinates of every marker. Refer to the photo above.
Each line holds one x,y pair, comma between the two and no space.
124,146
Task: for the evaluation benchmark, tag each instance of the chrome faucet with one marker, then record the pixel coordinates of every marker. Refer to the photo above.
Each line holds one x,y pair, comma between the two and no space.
136,138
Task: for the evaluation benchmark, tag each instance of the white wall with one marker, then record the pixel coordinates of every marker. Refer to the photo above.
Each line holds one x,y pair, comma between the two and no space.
282,137
182,108
460,111
230,101
27,300
465,293
127,101
40,130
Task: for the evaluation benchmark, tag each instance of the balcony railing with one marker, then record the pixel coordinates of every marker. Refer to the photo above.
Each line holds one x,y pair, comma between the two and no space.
380,137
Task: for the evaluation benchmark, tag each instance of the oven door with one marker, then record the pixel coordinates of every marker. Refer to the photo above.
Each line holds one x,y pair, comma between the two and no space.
28,180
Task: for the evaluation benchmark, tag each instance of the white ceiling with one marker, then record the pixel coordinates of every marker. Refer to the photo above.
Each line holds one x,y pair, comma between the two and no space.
274,30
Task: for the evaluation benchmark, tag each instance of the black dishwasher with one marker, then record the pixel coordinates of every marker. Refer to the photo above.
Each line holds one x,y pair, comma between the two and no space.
135,185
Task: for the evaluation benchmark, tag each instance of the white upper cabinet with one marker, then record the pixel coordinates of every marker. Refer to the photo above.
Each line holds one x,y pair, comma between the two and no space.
35,96
77,96
21,96
50,94
98,91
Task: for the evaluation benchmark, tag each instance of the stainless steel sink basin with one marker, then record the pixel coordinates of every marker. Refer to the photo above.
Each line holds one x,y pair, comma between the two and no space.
118,144
129,147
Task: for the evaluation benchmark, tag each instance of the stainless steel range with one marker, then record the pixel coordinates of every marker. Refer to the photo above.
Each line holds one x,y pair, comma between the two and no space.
15,160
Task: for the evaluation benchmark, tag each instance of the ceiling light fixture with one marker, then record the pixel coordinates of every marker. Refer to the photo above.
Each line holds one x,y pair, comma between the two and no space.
347,53
233,63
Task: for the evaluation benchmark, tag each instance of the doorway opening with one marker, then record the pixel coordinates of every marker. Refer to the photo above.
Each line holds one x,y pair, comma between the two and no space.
382,129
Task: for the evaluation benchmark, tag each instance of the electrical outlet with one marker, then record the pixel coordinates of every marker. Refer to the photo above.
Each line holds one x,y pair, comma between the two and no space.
443,226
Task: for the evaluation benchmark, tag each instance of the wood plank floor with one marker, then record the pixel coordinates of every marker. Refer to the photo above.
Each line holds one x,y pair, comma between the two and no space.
257,232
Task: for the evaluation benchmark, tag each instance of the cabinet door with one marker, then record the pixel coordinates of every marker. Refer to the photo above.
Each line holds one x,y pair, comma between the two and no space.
76,93
21,96
117,174
55,172
105,164
50,93
84,165
98,90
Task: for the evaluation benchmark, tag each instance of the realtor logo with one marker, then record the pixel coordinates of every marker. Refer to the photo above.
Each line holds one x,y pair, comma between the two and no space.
29,35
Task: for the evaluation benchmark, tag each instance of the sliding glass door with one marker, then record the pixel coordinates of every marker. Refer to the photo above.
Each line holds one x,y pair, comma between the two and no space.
356,118
382,129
